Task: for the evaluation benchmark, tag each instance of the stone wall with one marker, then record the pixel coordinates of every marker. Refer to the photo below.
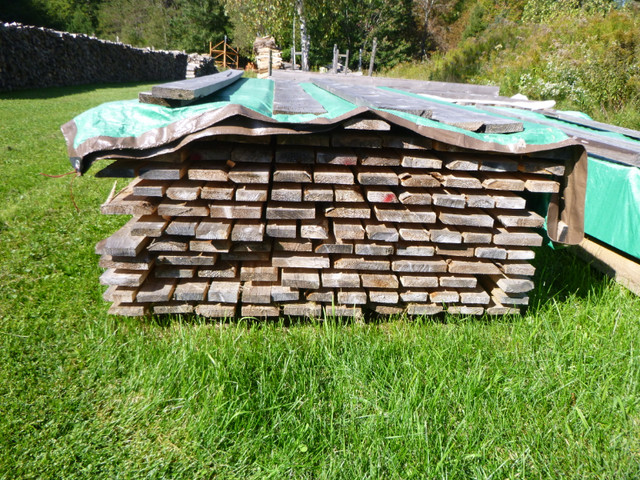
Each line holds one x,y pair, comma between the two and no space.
33,57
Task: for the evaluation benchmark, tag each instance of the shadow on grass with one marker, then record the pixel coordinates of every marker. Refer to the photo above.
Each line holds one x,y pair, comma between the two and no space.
57,92
560,274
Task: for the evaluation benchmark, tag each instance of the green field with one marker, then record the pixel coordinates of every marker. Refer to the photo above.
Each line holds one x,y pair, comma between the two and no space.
552,394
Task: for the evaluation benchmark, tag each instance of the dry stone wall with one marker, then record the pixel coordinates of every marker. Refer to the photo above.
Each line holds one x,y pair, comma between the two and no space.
33,57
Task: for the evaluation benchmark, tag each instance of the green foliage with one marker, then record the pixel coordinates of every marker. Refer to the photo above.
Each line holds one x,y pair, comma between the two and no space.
545,10
590,63
198,22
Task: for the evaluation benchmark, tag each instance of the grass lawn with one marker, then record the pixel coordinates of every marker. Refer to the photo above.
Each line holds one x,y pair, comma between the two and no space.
552,394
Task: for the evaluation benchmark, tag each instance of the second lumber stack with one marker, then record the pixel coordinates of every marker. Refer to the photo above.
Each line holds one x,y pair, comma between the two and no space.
348,222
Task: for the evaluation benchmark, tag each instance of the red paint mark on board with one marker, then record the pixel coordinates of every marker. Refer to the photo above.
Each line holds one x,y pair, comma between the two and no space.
389,198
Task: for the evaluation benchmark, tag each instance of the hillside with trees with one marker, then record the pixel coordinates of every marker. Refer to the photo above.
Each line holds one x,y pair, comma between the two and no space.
583,53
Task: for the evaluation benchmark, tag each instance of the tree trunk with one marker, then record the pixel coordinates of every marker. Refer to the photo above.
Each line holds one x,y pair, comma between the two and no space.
304,36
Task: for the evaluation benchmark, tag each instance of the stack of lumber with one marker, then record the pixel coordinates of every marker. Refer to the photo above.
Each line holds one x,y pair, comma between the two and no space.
266,55
364,218
267,51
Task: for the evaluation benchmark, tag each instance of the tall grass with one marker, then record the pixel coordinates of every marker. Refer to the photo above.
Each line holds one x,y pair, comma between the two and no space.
552,394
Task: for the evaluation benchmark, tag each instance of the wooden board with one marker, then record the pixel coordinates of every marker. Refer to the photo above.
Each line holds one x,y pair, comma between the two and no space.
290,98
366,96
196,88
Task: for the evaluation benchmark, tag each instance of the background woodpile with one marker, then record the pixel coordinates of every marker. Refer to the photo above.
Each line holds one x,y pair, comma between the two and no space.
266,51
347,222
32,57
200,65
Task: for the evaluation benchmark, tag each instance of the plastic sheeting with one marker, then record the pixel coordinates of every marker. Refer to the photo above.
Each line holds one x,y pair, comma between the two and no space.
612,205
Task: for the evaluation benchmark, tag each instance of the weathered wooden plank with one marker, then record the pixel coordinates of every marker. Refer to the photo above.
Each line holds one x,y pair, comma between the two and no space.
299,260
310,310
384,232
124,278
256,292
260,311
422,160
366,96
518,218
282,228
332,245
219,270
517,237
258,272
377,176
380,195
432,265
142,261
187,259
413,233
376,249
168,243
149,225
119,294
317,193
173,308
415,250
122,243
284,294
347,193
215,310
454,250
476,235
348,210
209,229
195,88
288,173
250,173
248,231
418,178
290,211
470,217
174,272
457,281
449,198
252,193
473,267
344,229
184,190
445,234
251,154
300,278
367,124
315,229
286,192
177,208
151,188
209,171
292,245
333,174
418,281
458,180
379,280
162,171
210,246
126,203
128,310
224,291
233,210
156,291
339,279
379,158
290,98
348,262
404,214
217,191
